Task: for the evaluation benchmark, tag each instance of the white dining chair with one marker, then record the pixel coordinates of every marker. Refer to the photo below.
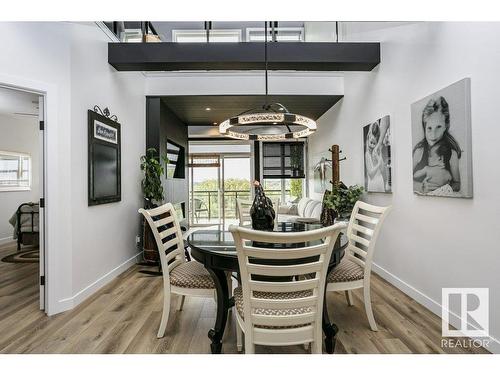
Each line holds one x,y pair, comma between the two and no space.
354,270
283,311
243,208
179,276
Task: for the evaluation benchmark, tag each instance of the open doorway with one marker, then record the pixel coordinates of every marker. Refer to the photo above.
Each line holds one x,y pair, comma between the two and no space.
22,251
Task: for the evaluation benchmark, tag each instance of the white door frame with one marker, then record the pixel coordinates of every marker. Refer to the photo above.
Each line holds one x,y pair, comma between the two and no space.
41,194
48,300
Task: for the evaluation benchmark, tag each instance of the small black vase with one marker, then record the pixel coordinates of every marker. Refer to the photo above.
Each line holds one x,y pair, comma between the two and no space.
262,211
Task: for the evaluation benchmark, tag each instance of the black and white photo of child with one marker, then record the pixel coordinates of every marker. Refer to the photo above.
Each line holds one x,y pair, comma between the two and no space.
377,156
440,126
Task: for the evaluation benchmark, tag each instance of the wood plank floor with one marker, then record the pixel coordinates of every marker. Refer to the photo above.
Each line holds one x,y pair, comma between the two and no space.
123,317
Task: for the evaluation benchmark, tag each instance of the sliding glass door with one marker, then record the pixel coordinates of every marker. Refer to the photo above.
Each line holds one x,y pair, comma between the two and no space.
236,184
205,190
219,175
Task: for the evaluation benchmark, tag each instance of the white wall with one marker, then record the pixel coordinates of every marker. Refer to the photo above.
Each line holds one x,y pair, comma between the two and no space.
87,246
427,243
37,55
244,83
103,240
18,134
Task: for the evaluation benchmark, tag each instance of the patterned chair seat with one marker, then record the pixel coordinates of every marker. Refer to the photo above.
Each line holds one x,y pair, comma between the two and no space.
238,302
191,275
347,270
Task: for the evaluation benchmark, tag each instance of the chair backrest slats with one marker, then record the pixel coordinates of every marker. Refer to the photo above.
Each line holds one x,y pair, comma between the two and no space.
275,287
164,221
243,208
284,303
360,252
168,232
296,269
168,237
362,232
268,269
288,254
171,255
354,238
367,219
169,244
362,229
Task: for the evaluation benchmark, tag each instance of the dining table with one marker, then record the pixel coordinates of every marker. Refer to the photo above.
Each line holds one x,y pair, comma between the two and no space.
215,249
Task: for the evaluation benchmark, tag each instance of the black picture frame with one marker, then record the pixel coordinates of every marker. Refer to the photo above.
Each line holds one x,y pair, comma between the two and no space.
104,159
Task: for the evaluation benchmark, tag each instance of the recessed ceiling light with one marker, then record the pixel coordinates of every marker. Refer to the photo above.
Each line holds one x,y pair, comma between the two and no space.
208,109
215,123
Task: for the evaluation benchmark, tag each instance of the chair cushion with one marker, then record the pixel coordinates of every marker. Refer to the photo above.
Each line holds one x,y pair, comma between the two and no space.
347,270
238,302
191,275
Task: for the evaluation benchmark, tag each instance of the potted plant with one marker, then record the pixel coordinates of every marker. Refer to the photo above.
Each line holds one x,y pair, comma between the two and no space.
338,203
152,190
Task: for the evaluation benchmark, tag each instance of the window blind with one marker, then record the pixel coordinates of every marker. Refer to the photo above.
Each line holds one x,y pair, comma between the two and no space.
283,160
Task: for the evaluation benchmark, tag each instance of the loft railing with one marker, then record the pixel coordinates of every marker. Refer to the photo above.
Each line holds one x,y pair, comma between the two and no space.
205,203
220,32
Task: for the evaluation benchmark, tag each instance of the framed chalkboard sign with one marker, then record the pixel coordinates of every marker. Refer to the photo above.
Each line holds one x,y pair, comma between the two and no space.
104,159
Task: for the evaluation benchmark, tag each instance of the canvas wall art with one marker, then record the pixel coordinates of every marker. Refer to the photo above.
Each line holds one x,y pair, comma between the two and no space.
377,156
442,145
321,171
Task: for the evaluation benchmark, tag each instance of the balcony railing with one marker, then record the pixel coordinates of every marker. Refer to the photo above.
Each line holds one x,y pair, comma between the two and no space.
205,204
222,32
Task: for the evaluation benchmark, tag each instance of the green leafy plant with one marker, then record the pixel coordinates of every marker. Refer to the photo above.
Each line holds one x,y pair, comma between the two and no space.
151,165
296,156
342,199
296,188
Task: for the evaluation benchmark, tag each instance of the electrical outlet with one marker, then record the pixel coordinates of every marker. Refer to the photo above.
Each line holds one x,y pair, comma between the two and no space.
137,239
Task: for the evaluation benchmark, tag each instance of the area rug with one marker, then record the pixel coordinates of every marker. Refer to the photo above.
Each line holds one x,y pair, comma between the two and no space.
26,256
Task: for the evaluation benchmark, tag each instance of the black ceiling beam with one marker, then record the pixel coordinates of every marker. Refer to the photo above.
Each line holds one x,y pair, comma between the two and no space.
244,56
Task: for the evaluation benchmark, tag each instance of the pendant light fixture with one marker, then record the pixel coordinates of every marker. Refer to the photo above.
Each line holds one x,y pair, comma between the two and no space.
269,122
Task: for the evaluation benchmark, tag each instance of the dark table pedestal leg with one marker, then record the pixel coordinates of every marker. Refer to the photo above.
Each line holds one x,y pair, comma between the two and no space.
223,305
330,329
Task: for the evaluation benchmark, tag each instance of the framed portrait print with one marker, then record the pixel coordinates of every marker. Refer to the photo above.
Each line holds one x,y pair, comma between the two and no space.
442,144
377,156
104,159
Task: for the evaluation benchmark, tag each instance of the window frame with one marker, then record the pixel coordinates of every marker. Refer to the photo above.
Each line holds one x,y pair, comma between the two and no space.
258,30
203,32
20,156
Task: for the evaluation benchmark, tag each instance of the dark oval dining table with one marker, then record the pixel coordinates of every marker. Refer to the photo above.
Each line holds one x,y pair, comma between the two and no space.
215,249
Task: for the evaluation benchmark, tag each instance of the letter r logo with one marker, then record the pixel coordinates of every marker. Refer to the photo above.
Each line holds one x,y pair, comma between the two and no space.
473,319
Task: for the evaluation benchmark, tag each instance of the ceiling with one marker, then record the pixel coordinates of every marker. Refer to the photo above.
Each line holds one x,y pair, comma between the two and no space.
192,109
18,103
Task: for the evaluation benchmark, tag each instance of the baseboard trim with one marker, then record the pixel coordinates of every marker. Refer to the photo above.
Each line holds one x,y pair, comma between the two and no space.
426,301
79,297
